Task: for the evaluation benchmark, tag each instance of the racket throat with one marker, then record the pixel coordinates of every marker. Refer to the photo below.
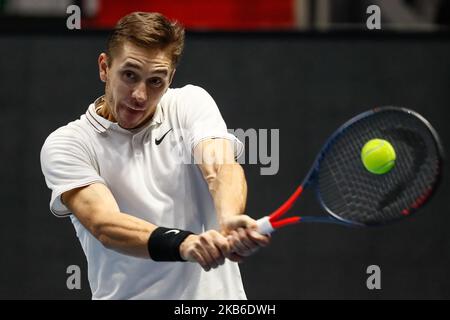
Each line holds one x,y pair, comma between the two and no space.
264,225
267,225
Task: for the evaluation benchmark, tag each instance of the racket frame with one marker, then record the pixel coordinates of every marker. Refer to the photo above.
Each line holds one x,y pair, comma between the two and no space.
269,224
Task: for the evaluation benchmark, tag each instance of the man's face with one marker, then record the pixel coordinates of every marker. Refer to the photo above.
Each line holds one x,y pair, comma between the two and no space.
135,82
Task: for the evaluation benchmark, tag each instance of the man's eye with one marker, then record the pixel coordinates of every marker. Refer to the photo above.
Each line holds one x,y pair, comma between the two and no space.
129,75
156,82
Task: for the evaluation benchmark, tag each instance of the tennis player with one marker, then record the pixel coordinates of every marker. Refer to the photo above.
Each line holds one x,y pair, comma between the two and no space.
152,225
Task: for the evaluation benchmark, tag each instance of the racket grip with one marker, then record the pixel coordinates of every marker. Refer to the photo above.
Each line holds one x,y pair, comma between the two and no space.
264,225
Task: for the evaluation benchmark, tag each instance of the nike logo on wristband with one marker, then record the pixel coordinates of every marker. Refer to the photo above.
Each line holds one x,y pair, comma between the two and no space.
172,231
158,141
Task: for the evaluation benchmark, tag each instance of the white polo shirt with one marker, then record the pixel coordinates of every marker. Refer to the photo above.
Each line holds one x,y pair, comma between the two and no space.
147,172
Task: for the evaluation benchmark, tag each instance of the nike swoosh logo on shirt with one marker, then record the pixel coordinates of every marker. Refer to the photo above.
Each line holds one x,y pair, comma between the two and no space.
173,231
158,141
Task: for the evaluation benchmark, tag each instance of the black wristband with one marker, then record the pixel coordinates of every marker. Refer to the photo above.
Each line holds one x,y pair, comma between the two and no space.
164,244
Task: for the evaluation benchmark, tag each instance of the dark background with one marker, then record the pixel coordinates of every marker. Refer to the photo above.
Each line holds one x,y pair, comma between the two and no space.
305,84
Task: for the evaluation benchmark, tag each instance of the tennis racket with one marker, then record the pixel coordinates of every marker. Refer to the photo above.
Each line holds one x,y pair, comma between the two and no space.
353,196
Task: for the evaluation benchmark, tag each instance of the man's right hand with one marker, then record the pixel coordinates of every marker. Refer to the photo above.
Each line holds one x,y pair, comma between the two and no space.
209,249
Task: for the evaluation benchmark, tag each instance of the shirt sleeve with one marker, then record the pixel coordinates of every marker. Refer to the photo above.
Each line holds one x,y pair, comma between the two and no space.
66,165
202,120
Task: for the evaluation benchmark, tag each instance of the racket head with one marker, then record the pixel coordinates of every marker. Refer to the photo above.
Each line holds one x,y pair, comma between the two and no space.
353,195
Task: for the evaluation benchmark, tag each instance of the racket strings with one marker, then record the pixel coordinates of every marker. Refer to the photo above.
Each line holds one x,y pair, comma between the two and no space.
413,151
418,173
352,193
418,154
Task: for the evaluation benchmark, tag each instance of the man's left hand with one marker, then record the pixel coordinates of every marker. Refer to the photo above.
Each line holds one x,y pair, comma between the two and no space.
243,237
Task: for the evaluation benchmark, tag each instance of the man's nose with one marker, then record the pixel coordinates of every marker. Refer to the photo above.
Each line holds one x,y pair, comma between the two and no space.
140,93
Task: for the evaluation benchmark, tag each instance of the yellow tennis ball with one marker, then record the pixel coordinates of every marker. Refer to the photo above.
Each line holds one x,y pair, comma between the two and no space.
378,156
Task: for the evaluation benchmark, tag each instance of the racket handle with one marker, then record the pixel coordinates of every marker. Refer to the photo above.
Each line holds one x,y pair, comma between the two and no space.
264,225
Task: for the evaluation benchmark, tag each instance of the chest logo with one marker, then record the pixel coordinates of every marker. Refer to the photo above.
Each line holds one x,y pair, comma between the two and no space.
158,141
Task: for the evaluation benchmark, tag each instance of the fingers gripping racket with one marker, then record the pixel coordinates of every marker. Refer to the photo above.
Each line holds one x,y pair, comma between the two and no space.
354,196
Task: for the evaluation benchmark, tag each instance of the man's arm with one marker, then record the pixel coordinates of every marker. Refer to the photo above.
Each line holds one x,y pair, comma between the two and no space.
97,210
224,176
226,182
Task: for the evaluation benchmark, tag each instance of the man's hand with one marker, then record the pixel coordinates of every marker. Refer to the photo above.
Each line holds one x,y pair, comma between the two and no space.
209,249
242,235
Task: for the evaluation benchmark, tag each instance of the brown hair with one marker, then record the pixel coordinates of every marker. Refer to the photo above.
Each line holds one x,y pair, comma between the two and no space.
148,30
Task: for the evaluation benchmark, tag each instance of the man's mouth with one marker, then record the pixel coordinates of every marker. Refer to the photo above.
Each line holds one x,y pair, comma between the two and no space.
133,110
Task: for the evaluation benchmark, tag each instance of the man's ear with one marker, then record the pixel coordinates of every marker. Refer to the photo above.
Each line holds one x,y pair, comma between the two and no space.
103,66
